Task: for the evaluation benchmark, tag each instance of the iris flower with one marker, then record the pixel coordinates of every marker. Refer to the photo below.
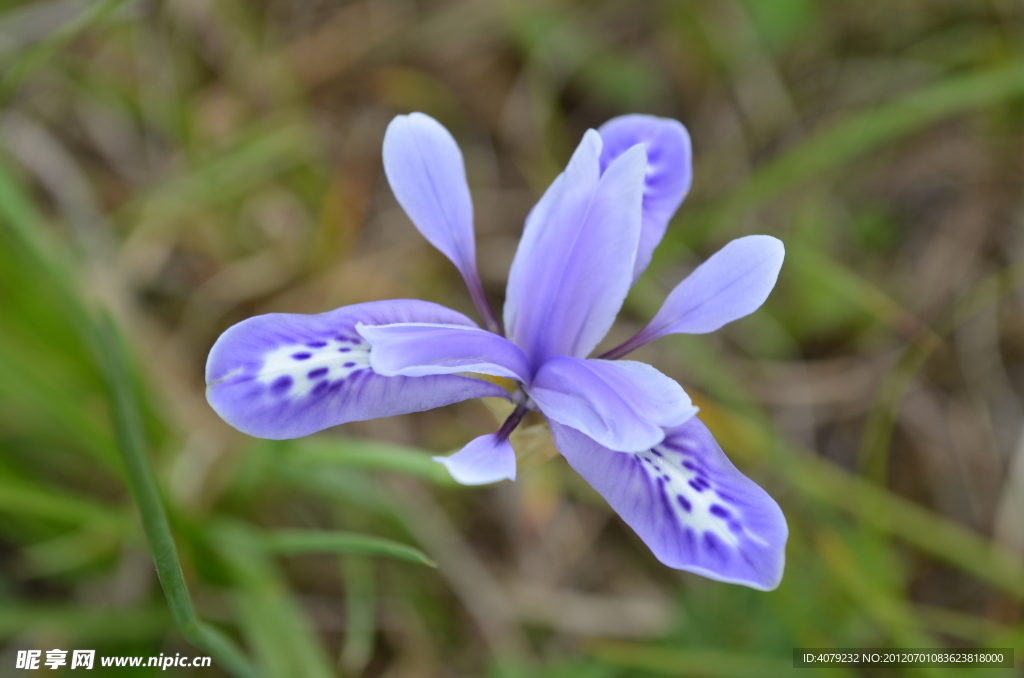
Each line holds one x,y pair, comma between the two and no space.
628,429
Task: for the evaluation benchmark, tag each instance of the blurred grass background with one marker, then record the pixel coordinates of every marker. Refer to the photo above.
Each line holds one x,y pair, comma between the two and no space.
182,165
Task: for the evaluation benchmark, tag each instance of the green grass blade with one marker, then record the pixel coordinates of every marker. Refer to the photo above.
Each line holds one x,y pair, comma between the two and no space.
290,542
143,487
43,51
273,623
373,455
849,138
360,613
23,499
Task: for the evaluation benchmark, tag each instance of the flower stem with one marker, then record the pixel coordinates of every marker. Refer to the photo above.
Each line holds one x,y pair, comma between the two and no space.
476,291
513,420
638,340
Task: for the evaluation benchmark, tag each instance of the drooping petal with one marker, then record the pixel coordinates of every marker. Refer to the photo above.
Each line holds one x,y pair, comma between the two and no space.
486,459
688,503
424,166
574,264
669,172
420,349
286,375
622,404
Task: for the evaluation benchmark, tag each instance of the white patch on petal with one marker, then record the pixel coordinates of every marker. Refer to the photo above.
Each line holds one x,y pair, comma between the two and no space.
692,495
295,370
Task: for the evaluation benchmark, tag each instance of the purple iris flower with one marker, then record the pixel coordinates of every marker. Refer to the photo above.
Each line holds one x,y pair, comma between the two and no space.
628,429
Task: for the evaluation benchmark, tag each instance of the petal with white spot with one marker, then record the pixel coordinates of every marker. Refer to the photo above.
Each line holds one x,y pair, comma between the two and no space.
285,375
688,503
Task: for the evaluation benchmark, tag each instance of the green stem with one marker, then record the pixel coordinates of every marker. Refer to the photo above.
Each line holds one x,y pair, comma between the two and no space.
144,490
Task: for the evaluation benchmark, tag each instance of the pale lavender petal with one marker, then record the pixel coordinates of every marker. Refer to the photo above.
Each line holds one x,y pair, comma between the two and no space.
622,404
574,264
733,283
425,169
669,171
486,459
286,375
688,503
420,349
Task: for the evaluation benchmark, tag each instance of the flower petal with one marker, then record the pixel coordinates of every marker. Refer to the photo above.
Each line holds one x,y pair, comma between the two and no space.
733,283
424,167
285,375
484,460
622,404
669,172
575,262
688,503
420,349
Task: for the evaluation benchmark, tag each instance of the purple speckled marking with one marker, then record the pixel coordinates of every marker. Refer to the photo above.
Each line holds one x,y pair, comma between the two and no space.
316,344
699,470
656,453
318,372
320,388
696,486
713,544
344,350
281,385
719,511
350,364
684,502
735,526
302,356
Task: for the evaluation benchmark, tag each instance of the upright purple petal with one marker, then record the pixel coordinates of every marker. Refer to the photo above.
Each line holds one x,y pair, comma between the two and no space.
424,166
669,172
420,349
428,177
622,404
688,503
286,375
575,261
484,460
